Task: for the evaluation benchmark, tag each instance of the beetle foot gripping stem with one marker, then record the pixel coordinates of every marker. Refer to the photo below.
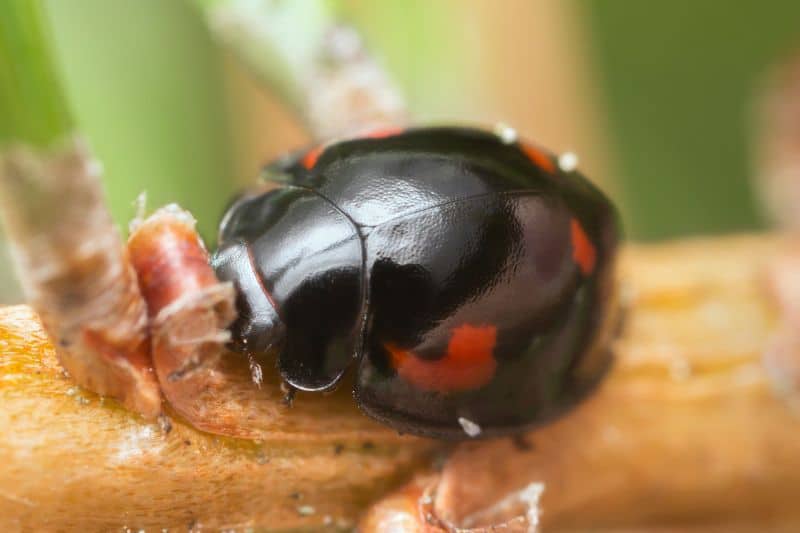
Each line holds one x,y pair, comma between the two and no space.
76,272
288,394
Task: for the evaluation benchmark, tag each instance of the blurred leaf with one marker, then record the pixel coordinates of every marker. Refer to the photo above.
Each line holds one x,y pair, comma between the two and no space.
679,78
32,106
278,40
145,88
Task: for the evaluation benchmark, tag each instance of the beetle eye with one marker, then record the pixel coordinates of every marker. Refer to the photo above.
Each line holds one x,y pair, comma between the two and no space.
277,171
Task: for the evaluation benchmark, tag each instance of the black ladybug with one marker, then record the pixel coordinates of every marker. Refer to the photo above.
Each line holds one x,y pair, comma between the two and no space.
465,275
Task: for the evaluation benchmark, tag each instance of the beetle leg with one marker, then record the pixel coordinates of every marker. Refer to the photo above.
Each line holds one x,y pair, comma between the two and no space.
289,393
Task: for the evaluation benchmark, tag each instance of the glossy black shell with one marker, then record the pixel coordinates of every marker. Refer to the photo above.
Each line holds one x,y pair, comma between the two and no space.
466,279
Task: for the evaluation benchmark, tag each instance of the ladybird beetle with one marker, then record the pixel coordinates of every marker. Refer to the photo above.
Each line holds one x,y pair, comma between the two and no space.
465,275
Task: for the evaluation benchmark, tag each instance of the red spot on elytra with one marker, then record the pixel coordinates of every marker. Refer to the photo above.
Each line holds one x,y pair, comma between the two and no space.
311,157
539,158
468,364
583,251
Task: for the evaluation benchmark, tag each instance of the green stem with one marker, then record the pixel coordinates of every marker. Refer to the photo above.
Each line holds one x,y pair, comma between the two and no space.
319,67
277,41
33,108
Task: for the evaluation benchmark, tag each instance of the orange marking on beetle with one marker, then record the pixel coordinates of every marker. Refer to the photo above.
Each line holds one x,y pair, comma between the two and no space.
583,251
382,133
468,364
311,157
539,158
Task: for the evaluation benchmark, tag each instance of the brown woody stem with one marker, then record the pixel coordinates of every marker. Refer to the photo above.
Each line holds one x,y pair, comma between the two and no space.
688,431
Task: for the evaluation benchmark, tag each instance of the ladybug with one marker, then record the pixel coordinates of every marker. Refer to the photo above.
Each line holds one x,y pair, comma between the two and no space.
464,277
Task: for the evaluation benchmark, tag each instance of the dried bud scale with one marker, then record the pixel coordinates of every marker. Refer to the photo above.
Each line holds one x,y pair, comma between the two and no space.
188,307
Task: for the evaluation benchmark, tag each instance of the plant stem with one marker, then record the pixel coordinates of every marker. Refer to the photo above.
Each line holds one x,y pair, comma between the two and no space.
686,430
68,253
32,104
276,40
316,64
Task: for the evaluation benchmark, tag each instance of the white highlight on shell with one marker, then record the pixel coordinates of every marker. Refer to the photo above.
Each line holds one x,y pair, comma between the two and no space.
470,428
506,133
568,161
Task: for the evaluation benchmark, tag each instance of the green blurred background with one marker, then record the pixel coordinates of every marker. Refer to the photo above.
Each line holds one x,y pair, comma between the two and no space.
657,95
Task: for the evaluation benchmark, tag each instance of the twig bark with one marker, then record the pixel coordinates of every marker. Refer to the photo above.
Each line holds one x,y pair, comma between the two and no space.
688,430
74,461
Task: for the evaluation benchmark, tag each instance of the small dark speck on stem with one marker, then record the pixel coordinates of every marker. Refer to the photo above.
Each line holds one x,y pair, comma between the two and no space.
522,443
